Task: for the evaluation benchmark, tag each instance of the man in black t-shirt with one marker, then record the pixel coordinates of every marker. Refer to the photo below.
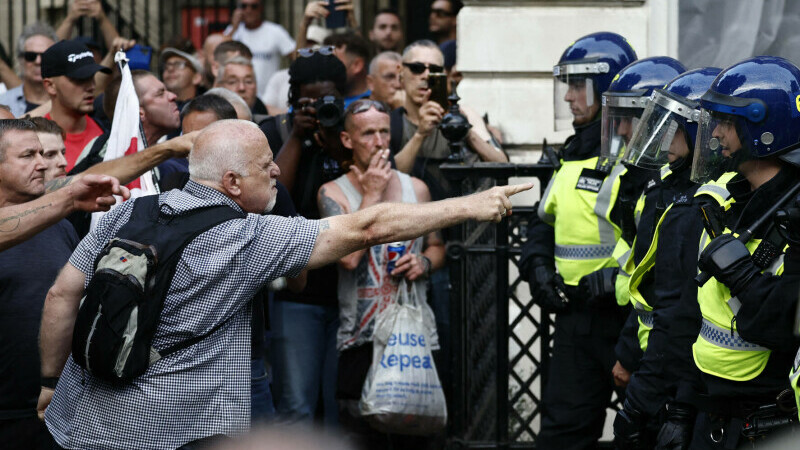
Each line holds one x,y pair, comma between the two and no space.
27,270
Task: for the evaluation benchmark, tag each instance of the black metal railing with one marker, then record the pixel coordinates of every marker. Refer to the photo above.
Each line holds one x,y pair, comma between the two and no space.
501,343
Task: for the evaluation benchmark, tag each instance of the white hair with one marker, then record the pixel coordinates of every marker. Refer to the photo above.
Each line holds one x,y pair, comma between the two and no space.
391,56
221,147
233,98
239,60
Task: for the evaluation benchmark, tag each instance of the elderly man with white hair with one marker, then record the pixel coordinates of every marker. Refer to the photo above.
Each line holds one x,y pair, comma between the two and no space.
203,391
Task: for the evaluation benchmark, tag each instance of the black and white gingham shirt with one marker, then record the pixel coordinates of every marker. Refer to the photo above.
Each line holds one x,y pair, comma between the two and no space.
203,390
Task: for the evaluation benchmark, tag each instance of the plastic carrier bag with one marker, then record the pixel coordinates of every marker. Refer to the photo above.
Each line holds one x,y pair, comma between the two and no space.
402,393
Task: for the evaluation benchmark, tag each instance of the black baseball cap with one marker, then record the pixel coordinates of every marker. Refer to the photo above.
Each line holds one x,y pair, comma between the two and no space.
71,58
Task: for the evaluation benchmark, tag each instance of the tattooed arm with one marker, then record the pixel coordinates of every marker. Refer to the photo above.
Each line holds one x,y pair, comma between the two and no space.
332,202
90,193
388,222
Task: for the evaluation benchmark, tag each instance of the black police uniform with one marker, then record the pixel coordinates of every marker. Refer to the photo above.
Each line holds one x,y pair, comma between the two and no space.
584,337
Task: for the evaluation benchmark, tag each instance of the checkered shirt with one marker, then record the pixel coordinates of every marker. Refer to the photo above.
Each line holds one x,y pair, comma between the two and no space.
203,390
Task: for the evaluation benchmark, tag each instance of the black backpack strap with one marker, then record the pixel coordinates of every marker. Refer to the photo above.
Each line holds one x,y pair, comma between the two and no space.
170,233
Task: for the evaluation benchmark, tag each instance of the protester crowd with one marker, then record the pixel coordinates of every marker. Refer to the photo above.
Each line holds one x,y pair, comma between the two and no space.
325,120
292,270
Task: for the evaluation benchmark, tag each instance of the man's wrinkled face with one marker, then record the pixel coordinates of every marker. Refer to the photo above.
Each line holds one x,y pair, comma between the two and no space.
178,74
258,186
54,154
386,81
576,97
366,133
241,79
23,167
32,70
416,85
386,32
158,104
74,94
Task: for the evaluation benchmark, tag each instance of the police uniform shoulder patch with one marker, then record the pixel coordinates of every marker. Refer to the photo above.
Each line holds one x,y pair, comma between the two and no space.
682,199
590,180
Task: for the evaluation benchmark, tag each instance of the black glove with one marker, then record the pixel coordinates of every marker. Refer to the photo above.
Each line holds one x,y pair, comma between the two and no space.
544,284
629,429
788,221
599,287
676,433
728,260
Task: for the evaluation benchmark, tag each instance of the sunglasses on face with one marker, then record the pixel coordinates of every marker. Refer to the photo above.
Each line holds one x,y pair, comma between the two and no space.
30,56
249,5
418,68
308,52
441,13
359,106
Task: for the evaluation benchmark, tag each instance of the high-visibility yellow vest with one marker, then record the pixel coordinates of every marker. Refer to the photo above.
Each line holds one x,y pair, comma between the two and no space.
643,310
719,349
585,236
794,377
625,258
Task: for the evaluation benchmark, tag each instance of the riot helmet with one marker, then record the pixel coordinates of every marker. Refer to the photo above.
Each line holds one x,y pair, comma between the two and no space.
585,71
668,126
625,100
750,112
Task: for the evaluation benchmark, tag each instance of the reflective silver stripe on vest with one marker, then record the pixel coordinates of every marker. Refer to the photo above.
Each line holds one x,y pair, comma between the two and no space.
622,260
644,315
545,217
795,367
712,189
584,251
665,170
602,205
725,338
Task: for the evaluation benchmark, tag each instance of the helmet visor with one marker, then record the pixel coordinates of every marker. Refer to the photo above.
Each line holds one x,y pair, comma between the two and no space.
573,91
721,146
660,138
620,120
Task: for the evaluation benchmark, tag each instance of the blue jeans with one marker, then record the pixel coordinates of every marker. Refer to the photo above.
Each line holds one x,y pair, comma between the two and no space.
261,406
304,358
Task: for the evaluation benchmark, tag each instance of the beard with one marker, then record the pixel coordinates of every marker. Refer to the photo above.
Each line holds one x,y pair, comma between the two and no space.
270,205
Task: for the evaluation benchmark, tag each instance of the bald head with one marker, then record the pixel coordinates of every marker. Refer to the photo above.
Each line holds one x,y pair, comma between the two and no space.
225,145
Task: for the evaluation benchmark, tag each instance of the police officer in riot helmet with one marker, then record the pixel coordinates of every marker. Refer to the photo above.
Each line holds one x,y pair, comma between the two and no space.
746,150
623,104
569,234
663,140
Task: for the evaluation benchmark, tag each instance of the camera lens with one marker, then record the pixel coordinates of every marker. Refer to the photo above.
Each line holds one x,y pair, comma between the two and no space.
330,111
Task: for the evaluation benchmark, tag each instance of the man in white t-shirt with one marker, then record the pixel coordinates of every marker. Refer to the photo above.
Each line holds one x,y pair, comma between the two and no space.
268,41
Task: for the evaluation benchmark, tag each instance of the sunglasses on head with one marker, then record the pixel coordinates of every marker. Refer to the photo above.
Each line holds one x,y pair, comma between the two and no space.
30,56
359,106
308,52
418,67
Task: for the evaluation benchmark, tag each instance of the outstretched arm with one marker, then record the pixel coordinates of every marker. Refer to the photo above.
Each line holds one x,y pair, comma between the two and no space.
388,222
129,167
90,193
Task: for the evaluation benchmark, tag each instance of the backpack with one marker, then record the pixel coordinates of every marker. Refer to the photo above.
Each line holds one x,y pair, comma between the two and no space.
121,309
